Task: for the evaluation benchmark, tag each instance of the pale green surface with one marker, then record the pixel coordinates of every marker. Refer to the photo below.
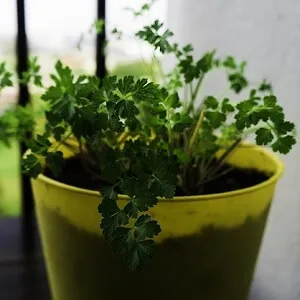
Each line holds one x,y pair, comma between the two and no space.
10,194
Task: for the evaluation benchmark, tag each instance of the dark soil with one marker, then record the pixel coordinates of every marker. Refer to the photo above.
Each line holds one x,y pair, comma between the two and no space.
76,175
215,264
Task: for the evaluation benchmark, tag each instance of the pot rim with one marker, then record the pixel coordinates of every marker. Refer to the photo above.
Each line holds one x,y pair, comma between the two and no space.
271,181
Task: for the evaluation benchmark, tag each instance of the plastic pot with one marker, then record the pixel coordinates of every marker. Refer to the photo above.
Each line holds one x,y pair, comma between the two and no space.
207,249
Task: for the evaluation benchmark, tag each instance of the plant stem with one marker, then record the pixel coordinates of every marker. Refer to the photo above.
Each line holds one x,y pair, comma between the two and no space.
217,176
195,132
185,97
194,93
63,142
273,129
170,142
229,150
191,91
223,157
123,137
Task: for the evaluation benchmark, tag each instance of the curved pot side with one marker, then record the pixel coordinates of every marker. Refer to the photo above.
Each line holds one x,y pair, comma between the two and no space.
207,249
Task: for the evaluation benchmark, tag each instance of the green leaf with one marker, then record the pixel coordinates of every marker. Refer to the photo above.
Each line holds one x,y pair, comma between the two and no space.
152,35
109,192
126,109
55,161
5,135
131,210
140,254
206,63
265,86
126,84
189,69
211,102
58,132
146,91
226,106
31,165
40,145
173,101
180,122
65,74
115,124
99,26
145,227
285,127
52,93
245,108
32,74
109,84
5,77
112,217
264,136
182,156
237,82
215,118
143,202
270,101
188,48
284,144
163,187
229,62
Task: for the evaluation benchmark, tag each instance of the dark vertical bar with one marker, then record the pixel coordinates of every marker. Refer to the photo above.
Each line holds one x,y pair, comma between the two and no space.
100,42
22,59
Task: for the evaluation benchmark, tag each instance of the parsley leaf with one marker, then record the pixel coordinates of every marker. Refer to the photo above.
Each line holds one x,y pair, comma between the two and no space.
211,102
264,136
143,202
55,161
5,76
152,35
215,118
284,144
112,217
145,227
31,165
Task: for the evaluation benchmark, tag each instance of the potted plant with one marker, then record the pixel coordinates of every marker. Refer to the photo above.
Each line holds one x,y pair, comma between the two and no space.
180,197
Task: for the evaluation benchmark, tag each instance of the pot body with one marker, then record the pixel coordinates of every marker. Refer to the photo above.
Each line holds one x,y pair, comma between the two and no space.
207,249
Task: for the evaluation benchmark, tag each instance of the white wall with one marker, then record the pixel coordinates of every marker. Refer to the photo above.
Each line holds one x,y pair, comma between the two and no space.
267,34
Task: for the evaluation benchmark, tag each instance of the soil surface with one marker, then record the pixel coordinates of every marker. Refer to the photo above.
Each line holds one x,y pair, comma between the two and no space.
75,174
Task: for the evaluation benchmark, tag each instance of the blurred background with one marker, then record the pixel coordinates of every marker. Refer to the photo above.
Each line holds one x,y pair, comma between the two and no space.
266,33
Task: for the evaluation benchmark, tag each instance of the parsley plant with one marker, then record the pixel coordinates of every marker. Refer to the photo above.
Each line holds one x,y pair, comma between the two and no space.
140,139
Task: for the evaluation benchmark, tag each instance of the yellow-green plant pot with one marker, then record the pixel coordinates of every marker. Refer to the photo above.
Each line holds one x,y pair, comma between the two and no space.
207,249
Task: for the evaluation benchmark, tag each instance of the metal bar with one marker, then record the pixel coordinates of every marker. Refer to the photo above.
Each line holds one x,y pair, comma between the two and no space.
24,99
100,42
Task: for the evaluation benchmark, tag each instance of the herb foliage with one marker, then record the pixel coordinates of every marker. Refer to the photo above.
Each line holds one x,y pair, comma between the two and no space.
140,138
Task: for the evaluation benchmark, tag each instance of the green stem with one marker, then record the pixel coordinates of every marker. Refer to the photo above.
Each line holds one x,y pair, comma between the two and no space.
196,131
185,97
217,176
191,90
170,142
229,150
170,134
223,158
194,93
273,129
62,142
